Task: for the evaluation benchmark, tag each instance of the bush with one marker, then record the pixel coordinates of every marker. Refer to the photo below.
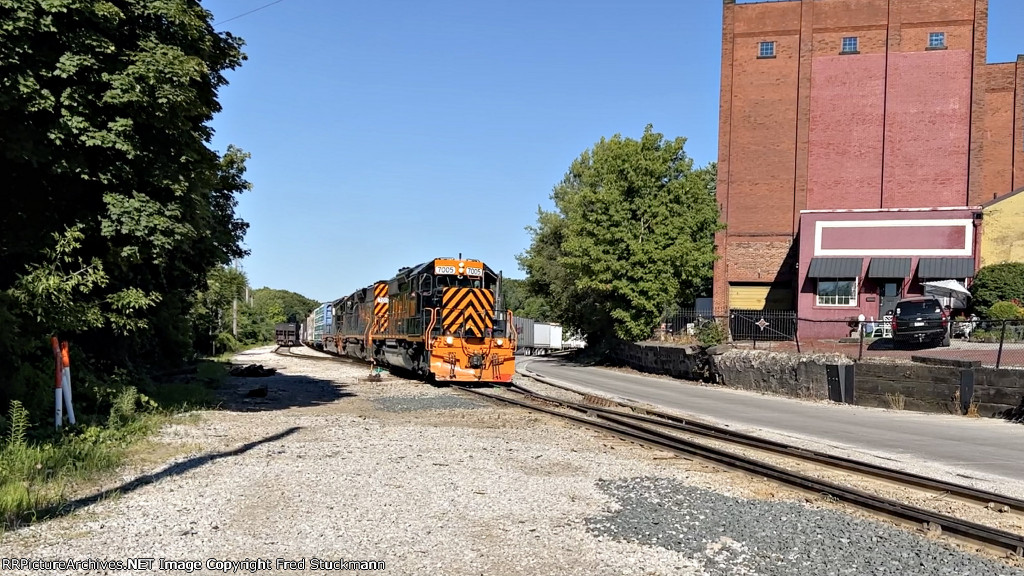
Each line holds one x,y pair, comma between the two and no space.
710,332
997,283
1005,311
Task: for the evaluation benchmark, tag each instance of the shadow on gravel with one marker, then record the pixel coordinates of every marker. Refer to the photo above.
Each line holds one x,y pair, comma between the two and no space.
172,470
278,392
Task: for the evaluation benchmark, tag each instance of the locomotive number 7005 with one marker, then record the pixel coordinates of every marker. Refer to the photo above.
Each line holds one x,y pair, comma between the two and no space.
444,269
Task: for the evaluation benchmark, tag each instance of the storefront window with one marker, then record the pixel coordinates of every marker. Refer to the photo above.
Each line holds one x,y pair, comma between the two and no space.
837,292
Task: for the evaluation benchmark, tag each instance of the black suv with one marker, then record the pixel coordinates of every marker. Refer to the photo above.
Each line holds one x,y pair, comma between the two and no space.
920,320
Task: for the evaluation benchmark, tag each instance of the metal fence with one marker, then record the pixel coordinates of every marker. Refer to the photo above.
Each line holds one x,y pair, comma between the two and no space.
992,343
752,325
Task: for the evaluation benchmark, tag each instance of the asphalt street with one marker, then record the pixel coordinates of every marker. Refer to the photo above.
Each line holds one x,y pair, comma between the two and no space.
979,445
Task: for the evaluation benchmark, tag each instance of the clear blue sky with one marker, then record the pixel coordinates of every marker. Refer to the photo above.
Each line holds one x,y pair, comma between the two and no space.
387,133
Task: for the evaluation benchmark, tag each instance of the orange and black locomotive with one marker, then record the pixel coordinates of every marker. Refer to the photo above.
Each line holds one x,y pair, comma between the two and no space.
440,320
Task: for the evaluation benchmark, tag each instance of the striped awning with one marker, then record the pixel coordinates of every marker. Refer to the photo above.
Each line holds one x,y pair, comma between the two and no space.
889,268
835,267
945,268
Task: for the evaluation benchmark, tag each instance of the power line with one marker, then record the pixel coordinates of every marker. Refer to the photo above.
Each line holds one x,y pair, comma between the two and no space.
247,13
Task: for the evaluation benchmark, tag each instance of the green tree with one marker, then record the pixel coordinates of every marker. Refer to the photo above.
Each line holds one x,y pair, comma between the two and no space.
522,302
114,206
997,283
632,233
293,307
212,313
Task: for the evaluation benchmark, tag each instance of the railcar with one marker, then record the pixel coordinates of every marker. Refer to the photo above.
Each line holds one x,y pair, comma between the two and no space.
440,320
287,334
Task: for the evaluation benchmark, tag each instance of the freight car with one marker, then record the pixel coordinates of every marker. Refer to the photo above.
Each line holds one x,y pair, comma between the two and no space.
287,334
537,337
439,320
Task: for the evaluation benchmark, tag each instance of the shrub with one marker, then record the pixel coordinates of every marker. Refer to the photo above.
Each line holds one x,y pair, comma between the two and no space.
997,283
1005,311
710,332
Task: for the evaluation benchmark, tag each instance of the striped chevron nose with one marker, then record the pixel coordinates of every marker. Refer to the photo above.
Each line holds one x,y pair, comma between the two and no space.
469,307
380,308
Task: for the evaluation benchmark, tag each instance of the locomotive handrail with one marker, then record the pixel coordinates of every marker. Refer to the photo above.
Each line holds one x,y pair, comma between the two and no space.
427,337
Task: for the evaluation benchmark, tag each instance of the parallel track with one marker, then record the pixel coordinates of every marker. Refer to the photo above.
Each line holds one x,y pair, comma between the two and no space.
289,354
649,430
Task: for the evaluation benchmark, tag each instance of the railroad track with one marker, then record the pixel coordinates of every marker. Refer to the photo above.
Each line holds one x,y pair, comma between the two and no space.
676,434
289,354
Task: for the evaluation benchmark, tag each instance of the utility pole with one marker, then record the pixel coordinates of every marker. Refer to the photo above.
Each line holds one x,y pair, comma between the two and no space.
234,317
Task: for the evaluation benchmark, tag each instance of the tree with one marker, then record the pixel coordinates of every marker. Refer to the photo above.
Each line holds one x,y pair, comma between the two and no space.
294,307
522,303
632,233
997,283
115,207
211,314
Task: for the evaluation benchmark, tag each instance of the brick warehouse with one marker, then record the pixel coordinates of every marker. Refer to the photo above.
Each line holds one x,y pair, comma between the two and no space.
883,107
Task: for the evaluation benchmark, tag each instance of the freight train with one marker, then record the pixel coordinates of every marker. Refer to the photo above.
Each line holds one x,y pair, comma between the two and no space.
440,320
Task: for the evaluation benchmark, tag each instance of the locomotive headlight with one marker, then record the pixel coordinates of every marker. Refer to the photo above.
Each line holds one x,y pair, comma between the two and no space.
449,340
499,342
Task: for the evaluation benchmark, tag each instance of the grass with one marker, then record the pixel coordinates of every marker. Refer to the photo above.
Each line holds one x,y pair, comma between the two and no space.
897,401
39,476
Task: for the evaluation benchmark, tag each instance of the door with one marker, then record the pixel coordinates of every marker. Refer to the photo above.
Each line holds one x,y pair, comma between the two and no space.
888,295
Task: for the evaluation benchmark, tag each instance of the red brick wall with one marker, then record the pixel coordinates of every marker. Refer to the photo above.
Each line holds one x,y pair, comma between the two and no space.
1018,122
759,260
850,14
995,173
756,150
927,129
763,148
847,119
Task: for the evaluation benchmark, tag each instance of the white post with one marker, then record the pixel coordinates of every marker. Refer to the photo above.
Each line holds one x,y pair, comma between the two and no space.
66,381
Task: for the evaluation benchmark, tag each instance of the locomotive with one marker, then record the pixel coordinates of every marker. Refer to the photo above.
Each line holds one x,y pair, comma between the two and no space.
439,320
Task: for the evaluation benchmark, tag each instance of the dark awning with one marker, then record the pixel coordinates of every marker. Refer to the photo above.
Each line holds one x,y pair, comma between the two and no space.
835,267
945,268
889,268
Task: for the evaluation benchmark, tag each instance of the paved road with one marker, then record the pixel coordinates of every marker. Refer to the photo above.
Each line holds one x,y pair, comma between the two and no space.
976,445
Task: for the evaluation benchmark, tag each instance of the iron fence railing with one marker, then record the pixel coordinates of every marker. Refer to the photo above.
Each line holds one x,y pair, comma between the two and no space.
989,342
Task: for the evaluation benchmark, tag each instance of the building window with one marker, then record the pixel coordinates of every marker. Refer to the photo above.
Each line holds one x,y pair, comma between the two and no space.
766,50
849,45
837,292
936,39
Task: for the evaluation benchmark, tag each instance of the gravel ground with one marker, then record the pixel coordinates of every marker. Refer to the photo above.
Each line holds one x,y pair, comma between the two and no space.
430,481
718,530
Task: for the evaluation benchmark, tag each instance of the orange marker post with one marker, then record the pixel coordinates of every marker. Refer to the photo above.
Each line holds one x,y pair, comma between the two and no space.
58,361
66,380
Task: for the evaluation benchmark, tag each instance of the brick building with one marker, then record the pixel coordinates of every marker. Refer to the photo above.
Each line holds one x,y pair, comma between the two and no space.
873,106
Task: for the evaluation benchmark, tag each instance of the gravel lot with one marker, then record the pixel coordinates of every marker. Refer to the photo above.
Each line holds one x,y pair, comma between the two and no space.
429,481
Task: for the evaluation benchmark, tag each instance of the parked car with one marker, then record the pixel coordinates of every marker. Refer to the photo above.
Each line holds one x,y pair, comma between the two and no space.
920,320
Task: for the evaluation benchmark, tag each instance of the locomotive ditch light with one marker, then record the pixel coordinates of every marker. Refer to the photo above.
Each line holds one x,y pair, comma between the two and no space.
499,342
449,340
